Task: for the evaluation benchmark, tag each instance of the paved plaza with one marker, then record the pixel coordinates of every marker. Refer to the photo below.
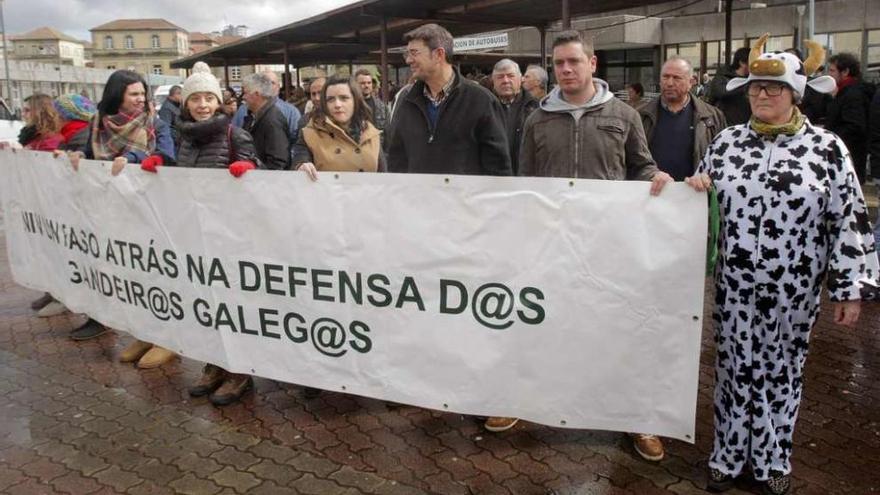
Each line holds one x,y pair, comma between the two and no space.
74,420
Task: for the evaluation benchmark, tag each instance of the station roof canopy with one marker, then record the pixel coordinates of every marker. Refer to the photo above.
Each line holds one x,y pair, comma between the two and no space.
352,33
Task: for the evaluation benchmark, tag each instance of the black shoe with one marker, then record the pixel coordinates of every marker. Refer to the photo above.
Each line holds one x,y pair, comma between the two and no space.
777,484
88,330
718,481
311,393
42,302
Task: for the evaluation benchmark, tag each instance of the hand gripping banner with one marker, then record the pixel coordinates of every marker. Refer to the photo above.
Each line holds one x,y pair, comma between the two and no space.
570,303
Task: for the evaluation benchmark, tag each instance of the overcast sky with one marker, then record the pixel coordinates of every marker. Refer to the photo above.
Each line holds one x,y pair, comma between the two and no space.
76,17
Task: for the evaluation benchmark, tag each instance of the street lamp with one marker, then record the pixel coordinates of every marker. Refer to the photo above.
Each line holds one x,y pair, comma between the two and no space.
6,58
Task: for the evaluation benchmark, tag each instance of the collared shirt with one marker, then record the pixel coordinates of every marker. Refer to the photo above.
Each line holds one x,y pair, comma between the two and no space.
687,103
444,92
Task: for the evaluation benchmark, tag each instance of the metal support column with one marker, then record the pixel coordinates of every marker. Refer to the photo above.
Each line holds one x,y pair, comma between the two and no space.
812,27
226,73
6,59
286,72
566,14
728,41
543,31
383,60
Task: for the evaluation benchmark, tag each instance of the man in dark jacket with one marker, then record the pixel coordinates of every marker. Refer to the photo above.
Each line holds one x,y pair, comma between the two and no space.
364,80
874,151
733,104
170,110
266,123
446,124
516,103
678,127
848,111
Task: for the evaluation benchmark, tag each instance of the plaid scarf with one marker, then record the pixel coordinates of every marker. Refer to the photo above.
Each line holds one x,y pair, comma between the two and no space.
116,135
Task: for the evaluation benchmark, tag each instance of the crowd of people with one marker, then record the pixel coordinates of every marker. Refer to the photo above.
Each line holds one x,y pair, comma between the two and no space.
785,151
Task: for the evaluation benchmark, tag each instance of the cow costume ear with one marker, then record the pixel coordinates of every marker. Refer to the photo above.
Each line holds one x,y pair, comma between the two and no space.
823,84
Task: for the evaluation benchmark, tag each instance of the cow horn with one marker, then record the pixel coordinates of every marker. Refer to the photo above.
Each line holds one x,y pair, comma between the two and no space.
815,58
758,49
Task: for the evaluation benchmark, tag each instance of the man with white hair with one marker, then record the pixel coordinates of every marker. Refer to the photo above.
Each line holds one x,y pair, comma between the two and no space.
535,81
265,122
679,127
291,115
516,103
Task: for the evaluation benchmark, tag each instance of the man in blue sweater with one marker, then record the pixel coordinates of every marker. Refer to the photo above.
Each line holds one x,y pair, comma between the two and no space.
679,128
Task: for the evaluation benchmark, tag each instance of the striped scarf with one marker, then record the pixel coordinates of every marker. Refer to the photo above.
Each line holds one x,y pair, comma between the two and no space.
116,135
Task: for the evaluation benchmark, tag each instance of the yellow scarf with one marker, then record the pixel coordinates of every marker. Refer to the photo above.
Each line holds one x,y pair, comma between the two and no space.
789,128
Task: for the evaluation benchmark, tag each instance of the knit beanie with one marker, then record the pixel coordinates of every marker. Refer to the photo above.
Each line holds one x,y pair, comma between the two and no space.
74,107
201,81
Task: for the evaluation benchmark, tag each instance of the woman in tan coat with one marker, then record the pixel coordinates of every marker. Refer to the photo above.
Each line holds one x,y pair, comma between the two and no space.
340,135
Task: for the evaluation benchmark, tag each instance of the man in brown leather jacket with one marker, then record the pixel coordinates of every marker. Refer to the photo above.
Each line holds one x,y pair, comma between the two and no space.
679,127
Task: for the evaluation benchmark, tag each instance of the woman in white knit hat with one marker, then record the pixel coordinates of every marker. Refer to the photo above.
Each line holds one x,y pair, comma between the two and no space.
208,140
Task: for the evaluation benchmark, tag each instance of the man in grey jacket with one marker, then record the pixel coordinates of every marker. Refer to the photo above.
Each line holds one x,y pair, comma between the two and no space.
581,130
678,126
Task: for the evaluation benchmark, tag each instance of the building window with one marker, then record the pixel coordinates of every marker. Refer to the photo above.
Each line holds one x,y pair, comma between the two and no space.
873,48
108,42
235,73
157,70
129,42
155,41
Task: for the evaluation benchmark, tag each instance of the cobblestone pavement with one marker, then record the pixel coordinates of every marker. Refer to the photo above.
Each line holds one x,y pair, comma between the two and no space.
73,420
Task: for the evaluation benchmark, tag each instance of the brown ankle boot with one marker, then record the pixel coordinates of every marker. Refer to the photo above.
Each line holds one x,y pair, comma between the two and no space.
212,377
232,389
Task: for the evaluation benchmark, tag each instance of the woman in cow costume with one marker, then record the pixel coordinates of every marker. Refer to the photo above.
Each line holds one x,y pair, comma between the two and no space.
792,215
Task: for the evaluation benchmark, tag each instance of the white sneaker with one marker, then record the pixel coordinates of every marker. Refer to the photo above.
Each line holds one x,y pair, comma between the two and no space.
54,308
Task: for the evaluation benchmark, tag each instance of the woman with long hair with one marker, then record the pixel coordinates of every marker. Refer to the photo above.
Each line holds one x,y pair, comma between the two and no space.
42,130
340,135
126,130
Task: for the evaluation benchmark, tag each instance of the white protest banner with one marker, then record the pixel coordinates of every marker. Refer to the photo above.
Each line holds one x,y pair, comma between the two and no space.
570,303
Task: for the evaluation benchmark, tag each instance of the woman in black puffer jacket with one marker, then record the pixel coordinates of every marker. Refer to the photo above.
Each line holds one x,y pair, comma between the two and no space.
207,137
208,140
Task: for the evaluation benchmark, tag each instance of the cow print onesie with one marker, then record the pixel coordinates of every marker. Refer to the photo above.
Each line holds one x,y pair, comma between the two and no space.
792,215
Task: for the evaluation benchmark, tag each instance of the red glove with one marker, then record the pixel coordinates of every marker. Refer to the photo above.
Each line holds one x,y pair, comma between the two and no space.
151,162
237,169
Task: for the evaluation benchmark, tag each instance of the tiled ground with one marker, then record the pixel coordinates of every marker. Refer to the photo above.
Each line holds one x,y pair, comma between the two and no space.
73,420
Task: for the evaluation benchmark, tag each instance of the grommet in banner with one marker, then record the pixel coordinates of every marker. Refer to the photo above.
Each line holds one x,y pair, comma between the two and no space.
253,371
446,180
688,437
180,351
445,406
696,318
343,387
335,176
562,422
571,183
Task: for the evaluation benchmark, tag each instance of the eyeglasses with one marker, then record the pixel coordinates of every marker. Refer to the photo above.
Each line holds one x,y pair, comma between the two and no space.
772,89
411,54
